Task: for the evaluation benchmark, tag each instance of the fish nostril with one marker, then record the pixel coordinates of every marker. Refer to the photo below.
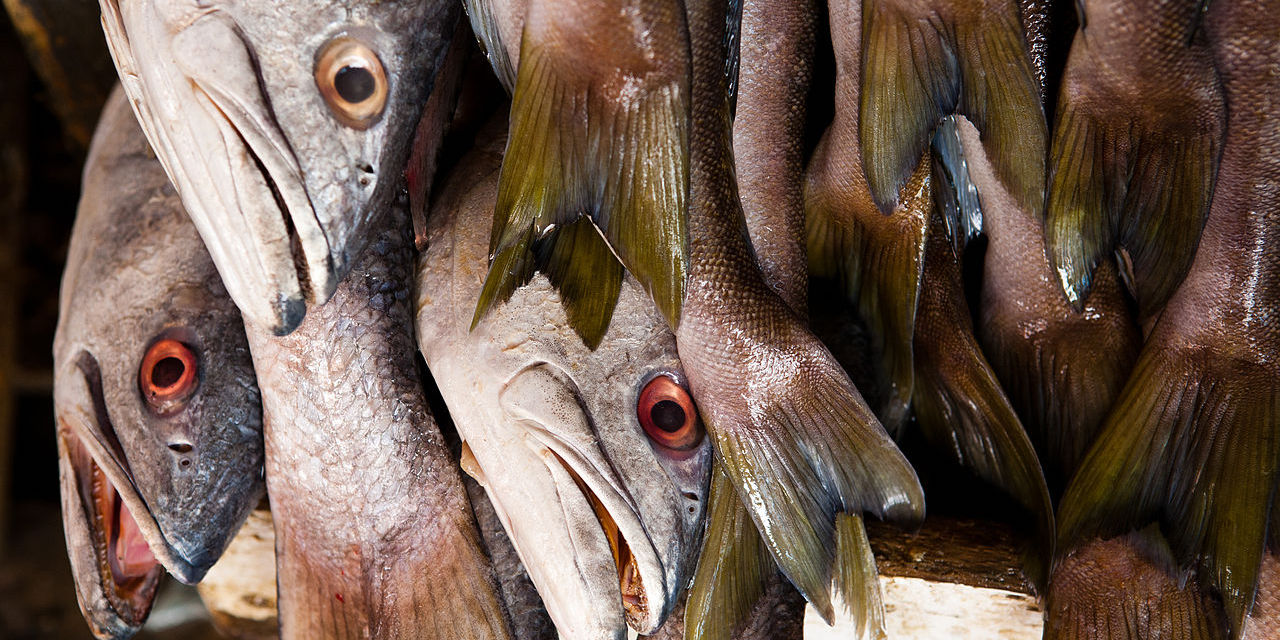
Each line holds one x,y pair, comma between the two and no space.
690,495
185,462
180,447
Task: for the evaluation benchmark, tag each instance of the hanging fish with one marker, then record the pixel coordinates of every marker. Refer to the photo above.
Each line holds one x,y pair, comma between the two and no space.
1138,131
1192,442
797,440
158,416
375,537
284,126
599,135
595,460
925,59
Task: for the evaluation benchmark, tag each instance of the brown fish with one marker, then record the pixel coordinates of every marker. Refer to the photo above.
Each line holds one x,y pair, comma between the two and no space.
1192,441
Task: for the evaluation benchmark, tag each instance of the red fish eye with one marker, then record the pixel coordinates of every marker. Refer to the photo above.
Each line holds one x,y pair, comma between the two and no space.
167,374
667,414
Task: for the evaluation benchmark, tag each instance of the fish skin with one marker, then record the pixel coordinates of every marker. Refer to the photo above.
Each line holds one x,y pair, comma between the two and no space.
1060,367
1192,441
1136,142
375,537
796,438
768,138
189,477
226,94
530,400
599,133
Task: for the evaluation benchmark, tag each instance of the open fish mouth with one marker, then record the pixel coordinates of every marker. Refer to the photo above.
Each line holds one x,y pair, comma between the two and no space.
128,570
635,600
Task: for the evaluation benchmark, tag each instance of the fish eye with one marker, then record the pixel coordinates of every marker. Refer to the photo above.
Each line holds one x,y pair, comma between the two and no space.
351,80
167,376
666,412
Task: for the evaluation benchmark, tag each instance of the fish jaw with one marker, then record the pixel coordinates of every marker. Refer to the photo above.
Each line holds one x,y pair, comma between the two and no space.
600,570
87,448
280,190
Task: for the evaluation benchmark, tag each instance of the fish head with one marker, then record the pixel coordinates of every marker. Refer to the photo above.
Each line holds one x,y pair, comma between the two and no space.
595,461
600,472
284,126
158,415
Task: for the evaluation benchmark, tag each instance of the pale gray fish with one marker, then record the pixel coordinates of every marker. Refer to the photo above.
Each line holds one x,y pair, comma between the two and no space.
595,460
374,532
284,126
158,416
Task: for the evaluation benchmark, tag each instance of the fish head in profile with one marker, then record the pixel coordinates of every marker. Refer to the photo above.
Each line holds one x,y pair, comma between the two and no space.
595,461
284,126
158,415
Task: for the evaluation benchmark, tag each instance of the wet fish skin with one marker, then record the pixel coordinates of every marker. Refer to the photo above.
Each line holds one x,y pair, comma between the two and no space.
797,439
1135,148
1192,441
536,407
187,472
375,535
228,94
777,43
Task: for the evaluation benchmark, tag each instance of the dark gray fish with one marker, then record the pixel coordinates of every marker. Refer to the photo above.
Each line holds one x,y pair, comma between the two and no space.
374,532
594,459
159,419
1193,439
284,126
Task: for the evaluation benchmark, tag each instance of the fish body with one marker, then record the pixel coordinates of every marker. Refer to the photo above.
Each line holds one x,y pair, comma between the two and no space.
1192,441
158,415
375,537
284,126
605,511
1137,134
796,438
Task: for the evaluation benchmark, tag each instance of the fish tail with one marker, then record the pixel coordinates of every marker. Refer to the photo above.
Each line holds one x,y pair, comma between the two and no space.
878,262
856,578
1062,381
732,568
1127,588
1192,443
960,405
919,68
1116,184
573,153
579,264
814,451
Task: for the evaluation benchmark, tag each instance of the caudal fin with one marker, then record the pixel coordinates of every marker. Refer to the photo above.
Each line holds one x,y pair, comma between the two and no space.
921,63
1191,444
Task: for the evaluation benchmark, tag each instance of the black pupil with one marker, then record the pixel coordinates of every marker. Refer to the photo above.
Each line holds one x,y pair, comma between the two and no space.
354,84
667,415
167,372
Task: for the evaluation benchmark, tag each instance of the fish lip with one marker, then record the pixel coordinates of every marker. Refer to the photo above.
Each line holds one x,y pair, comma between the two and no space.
593,485
100,443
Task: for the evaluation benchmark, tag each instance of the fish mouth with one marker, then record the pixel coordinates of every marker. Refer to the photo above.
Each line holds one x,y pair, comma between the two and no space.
128,571
115,511
635,600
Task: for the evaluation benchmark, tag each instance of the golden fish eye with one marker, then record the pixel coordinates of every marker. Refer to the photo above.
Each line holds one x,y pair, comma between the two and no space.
352,81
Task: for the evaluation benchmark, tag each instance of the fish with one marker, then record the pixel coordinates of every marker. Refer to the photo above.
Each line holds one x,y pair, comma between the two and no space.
594,459
926,59
595,173
1191,442
375,536
1137,135
776,68
284,126
159,421
797,440
1060,367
